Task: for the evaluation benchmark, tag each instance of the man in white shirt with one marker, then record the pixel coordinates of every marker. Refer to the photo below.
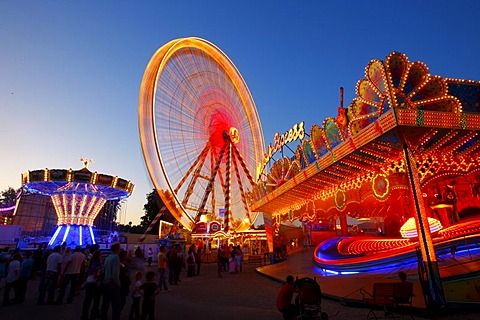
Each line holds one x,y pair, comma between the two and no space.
50,278
71,274
111,284
13,274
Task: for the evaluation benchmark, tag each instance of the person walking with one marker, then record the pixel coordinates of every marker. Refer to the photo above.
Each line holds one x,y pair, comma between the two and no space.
137,263
136,297
198,260
37,257
111,284
13,274
225,257
3,263
26,271
149,256
238,259
66,253
284,299
125,280
71,275
162,262
172,258
178,265
191,262
49,280
150,290
92,287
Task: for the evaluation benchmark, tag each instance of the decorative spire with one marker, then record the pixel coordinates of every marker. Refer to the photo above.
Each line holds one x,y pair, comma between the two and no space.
341,118
86,162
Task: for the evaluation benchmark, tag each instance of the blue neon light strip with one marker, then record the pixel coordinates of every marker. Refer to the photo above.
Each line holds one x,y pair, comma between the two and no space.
91,233
66,233
55,235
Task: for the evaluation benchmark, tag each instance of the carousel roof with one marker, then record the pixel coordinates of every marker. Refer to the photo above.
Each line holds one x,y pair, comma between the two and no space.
398,104
51,181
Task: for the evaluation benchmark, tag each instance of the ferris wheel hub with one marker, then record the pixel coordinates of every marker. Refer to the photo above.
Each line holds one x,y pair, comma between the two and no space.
234,135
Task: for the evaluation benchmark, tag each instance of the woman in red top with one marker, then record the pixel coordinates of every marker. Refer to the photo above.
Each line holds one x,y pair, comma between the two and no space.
284,299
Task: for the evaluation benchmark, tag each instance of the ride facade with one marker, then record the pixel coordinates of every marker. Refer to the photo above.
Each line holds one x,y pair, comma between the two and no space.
404,155
77,197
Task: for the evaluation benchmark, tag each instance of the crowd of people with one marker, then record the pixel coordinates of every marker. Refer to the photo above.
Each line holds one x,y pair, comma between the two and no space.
16,270
108,282
229,259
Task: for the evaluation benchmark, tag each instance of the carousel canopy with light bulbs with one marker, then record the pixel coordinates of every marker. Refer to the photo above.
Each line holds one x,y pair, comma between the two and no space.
77,196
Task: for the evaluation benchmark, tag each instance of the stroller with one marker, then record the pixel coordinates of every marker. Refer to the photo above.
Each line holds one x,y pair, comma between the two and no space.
309,299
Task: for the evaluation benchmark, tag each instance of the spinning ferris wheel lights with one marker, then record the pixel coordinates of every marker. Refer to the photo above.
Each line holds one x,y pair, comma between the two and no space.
200,133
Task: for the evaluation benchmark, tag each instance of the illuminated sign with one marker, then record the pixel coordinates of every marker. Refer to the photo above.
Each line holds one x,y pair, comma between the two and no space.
215,226
297,132
201,227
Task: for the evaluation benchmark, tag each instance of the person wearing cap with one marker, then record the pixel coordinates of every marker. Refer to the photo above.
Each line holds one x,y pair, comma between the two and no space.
71,274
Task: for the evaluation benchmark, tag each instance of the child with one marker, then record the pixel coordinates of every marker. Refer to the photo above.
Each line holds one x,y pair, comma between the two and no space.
232,265
191,263
150,290
136,296
150,256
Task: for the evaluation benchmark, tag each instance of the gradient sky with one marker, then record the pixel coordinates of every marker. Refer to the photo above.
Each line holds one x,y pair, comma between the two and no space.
70,71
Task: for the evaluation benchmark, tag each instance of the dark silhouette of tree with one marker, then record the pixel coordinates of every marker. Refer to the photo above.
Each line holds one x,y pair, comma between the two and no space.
107,217
8,197
151,208
130,228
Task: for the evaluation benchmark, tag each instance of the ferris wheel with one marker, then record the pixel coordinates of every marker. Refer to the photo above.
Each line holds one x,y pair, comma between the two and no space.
200,134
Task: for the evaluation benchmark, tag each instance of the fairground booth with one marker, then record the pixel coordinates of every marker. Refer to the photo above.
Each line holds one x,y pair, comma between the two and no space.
393,178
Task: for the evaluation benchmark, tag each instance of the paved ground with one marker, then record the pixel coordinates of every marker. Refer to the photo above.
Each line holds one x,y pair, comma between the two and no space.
242,296
345,289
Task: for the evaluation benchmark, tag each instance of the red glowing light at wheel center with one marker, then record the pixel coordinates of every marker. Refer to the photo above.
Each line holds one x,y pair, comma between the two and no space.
220,123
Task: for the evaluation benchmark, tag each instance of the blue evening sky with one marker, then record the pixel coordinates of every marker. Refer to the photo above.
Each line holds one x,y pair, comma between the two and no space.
70,71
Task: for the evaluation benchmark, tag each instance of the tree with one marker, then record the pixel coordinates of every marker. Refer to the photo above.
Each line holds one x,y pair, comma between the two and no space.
8,197
107,217
130,228
151,208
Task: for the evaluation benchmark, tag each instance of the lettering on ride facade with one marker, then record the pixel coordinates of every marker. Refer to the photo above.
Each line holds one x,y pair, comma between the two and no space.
297,132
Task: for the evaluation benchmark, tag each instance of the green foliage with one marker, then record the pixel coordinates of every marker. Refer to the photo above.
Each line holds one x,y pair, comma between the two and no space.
8,197
151,209
138,229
